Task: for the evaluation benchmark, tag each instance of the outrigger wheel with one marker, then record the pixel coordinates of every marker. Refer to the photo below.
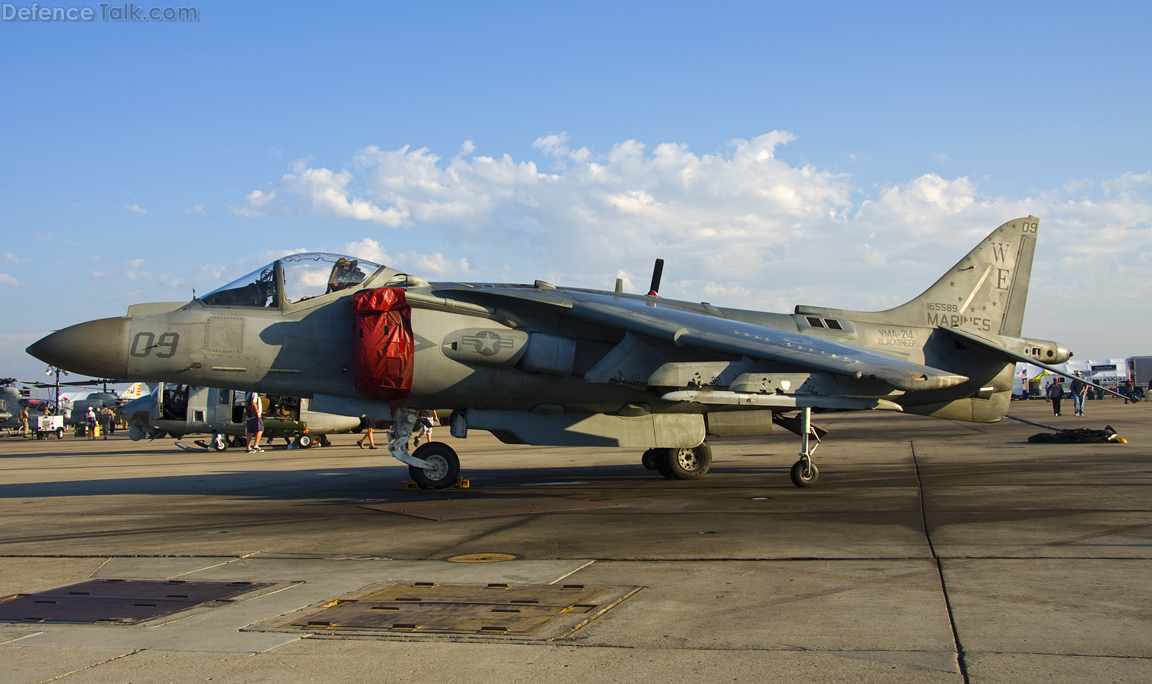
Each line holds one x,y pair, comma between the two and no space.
686,463
219,441
804,473
445,464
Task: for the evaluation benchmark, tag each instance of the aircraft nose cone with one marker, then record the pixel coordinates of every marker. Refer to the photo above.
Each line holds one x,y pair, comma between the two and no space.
97,348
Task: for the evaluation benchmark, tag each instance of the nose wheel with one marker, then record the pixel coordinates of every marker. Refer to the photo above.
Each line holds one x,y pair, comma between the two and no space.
804,472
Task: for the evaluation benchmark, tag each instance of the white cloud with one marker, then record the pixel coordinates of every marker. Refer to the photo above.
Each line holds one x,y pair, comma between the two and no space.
739,227
51,238
6,279
433,265
130,272
255,204
194,210
324,192
367,249
10,258
136,208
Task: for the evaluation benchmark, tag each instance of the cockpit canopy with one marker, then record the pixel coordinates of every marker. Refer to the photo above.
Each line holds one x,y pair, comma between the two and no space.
299,276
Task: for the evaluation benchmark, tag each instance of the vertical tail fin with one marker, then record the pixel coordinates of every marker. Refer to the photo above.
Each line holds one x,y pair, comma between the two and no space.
984,292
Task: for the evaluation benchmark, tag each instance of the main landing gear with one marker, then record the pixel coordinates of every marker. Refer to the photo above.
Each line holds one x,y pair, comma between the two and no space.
687,463
693,463
444,470
433,465
804,472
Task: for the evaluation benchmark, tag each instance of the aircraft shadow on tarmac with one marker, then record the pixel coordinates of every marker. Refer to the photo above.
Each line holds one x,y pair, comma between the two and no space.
378,480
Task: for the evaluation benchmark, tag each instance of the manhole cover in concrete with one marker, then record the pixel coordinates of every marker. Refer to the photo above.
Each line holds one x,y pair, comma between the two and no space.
118,601
493,609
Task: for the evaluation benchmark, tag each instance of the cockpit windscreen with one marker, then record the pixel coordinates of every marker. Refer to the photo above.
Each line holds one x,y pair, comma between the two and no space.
258,288
313,274
307,275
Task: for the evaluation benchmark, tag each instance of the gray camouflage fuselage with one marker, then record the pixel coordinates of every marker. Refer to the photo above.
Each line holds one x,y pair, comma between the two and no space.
514,356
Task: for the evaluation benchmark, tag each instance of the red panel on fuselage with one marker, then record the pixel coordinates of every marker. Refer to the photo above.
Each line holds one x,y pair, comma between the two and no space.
384,346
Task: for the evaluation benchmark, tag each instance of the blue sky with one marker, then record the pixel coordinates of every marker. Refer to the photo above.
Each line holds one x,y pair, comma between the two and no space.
840,154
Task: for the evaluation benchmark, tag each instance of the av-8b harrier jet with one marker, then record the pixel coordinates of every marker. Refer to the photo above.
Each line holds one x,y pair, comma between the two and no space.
547,365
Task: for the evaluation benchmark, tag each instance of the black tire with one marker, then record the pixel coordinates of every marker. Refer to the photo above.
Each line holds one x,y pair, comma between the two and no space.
800,478
660,461
648,460
689,463
304,441
324,441
447,469
59,433
219,442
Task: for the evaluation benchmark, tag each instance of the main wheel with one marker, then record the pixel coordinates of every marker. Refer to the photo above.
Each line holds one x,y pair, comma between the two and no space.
689,463
219,442
324,441
648,460
804,477
304,441
445,464
659,460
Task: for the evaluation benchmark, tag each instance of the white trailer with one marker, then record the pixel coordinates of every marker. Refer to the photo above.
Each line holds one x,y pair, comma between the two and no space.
49,425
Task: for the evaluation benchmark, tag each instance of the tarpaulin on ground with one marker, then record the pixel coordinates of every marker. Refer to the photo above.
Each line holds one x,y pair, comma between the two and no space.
384,346
1079,436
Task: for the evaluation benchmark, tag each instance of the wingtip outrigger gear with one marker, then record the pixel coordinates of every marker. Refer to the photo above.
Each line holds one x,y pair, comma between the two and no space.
804,472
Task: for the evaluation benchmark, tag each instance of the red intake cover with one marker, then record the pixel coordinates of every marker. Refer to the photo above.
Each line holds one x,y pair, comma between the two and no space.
383,347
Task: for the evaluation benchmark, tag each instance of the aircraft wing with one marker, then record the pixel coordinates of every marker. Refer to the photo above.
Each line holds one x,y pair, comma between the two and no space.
661,320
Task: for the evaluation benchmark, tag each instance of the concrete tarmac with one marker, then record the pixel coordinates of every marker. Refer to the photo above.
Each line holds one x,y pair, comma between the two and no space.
930,551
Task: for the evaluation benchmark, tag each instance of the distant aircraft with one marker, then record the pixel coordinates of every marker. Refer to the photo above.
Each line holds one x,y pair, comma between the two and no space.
547,365
13,399
178,410
10,405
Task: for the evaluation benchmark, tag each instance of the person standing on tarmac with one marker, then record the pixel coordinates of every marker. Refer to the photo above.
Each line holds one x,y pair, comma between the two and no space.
90,422
368,435
1055,393
1079,392
23,416
105,418
426,421
253,423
